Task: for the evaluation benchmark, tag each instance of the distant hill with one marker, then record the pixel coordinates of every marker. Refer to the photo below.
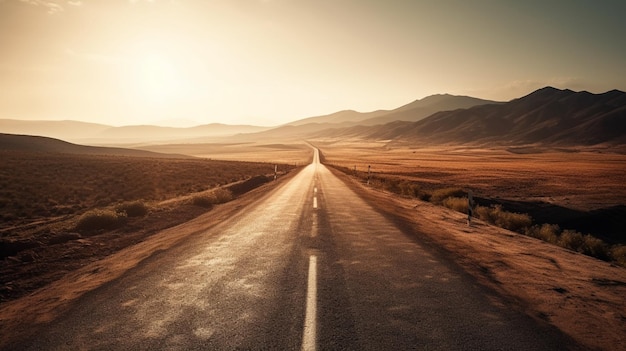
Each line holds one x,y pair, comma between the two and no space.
413,111
348,117
98,133
420,109
548,116
66,130
29,143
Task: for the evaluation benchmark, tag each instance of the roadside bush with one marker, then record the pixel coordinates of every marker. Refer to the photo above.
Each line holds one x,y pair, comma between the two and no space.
133,209
456,203
222,195
595,247
546,232
517,222
585,244
204,200
100,220
439,195
572,240
618,254
392,185
217,196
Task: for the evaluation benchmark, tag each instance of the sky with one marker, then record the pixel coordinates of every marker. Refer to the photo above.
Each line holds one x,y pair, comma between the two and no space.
268,62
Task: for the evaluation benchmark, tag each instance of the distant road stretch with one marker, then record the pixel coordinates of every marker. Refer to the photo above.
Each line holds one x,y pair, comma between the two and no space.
308,266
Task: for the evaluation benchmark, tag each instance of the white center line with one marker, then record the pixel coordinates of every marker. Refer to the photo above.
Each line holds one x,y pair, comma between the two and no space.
309,335
315,202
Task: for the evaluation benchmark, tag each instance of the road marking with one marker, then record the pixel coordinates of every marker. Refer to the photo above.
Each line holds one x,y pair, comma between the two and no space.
315,202
315,190
309,335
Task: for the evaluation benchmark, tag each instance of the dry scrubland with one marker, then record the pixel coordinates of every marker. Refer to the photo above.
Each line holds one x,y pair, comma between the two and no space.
571,198
60,211
292,153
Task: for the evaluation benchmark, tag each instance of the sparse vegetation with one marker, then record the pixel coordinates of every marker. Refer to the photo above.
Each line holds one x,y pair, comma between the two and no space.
546,232
456,203
618,254
455,198
517,222
439,195
217,196
133,209
49,201
96,220
42,185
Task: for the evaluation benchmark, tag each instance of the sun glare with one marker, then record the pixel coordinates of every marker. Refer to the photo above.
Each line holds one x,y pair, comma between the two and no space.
156,79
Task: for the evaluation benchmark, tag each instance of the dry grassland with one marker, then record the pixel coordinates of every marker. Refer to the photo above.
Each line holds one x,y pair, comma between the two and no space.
291,154
59,211
570,178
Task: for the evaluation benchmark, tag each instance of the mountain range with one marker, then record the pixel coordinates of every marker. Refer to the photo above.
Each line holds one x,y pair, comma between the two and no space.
548,116
92,133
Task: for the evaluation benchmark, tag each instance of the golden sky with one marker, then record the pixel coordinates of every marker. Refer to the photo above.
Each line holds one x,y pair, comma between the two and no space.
267,62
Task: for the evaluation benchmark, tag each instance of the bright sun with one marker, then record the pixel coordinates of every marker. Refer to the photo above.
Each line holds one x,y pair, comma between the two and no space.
156,78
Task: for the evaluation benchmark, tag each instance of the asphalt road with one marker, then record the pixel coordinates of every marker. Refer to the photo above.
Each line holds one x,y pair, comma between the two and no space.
310,265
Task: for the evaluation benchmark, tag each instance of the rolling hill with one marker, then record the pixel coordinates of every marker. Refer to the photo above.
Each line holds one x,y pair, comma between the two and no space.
27,143
413,112
548,116
92,133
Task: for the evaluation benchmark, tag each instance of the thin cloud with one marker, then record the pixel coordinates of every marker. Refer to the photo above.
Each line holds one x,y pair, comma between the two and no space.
53,6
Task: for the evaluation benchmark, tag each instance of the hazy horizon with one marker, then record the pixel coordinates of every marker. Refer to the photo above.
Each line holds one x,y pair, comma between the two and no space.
269,62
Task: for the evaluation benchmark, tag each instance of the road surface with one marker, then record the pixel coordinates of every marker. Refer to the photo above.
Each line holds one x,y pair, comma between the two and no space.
309,266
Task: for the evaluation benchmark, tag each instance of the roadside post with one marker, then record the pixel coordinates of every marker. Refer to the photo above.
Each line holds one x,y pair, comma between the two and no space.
275,171
470,207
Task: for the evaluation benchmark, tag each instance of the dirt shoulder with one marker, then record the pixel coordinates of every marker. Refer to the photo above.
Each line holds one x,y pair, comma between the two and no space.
580,295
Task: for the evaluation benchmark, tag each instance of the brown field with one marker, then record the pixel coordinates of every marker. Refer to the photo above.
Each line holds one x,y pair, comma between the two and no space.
46,200
580,295
292,153
575,179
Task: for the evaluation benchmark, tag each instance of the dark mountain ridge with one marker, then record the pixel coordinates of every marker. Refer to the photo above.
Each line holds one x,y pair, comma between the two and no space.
548,116
413,112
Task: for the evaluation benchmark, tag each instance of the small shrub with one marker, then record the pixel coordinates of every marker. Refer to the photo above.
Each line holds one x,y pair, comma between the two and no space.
572,240
517,222
546,232
100,220
392,186
439,195
133,209
618,254
485,214
222,195
204,200
595,247
456,203
217,196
